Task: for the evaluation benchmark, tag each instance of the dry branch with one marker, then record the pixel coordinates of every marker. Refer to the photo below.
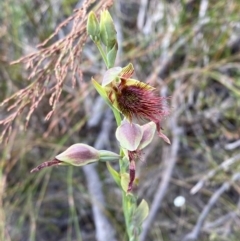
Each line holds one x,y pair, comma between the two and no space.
193,235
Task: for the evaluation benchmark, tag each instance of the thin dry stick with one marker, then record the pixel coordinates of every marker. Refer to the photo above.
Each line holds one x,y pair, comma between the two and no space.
4,234
193,235
170,161
220,221
223,166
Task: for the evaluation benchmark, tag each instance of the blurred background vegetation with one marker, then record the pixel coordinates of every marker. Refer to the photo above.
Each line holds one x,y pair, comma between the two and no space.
189,50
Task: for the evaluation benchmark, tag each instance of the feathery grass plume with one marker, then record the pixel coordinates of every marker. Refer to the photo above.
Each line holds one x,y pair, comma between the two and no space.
49,69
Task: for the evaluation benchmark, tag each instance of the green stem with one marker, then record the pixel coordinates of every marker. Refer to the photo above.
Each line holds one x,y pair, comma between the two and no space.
128,201
99,46
117,116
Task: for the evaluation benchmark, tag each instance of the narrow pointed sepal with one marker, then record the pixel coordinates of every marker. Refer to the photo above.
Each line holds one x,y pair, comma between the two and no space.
51,163
112,54
164,137
161,135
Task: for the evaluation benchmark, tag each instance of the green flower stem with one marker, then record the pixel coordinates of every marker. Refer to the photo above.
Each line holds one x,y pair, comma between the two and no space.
117,116
129,202
99,46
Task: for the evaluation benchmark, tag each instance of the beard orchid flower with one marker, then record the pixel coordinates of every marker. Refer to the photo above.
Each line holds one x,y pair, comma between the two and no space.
134,98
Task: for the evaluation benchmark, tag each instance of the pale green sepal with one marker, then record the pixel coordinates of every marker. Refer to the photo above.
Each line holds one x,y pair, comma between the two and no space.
110,75
129,135
148,134
115,174
108,156
101,91
141,213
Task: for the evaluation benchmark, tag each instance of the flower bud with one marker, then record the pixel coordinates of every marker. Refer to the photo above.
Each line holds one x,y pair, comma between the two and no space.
93,27
79,155
107,30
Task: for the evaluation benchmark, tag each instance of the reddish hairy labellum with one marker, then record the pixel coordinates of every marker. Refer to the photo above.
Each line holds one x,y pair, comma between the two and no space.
141,102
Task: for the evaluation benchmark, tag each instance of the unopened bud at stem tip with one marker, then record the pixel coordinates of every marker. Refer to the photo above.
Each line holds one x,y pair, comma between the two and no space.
107,30
93,28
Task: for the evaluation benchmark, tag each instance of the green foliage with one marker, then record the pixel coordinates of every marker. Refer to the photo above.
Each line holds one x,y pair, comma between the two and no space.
140,214
116,176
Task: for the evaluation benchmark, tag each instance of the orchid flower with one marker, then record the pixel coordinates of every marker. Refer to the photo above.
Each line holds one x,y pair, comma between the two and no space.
133,138
134,98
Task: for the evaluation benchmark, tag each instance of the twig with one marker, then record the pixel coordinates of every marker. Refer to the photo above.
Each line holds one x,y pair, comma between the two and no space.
233,145
225,165
220,221
142,14
203,9
193,235
119,30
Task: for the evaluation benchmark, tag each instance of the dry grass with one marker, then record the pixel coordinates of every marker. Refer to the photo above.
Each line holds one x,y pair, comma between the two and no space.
50,67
